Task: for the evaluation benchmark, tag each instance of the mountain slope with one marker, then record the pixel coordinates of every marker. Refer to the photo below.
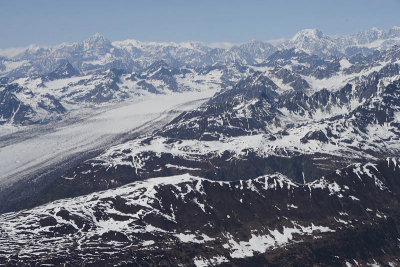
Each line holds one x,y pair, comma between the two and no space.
43,99
252,130
193,221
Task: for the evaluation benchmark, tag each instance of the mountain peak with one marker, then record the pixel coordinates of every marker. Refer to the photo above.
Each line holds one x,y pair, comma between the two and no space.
158,64
64,70
97,36
376,29
313,41
309,33
97,41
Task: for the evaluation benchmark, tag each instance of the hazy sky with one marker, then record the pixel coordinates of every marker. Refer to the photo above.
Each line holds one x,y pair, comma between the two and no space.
49,22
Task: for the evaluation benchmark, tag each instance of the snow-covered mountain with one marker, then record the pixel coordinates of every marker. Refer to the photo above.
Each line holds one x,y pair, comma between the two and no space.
316,42
276,119
99,54
38,99
348,217
39,84
294,156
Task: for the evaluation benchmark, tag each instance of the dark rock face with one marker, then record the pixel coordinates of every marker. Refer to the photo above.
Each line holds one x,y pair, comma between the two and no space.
292,79
48,221
51,104
240,111
148,87
318,135
93,176
351,215
380,109
12,109
315,66
64,70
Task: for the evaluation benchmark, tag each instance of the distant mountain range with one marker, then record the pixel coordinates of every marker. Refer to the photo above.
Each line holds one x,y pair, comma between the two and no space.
99,54
41,84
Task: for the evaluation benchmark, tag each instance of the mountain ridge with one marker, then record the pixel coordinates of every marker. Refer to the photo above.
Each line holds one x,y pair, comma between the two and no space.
98,53
269,220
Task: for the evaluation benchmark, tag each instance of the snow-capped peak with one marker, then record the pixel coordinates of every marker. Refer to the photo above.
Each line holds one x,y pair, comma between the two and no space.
310,34
97,41
97,37
313,41
375,29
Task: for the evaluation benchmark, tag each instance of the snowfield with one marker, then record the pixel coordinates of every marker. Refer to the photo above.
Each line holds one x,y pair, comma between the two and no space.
100,129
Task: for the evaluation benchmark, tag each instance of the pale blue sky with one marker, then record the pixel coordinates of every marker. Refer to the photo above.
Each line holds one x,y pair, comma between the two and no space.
49,22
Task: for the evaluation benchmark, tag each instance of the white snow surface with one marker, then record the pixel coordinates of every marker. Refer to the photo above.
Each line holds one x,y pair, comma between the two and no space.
94,130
